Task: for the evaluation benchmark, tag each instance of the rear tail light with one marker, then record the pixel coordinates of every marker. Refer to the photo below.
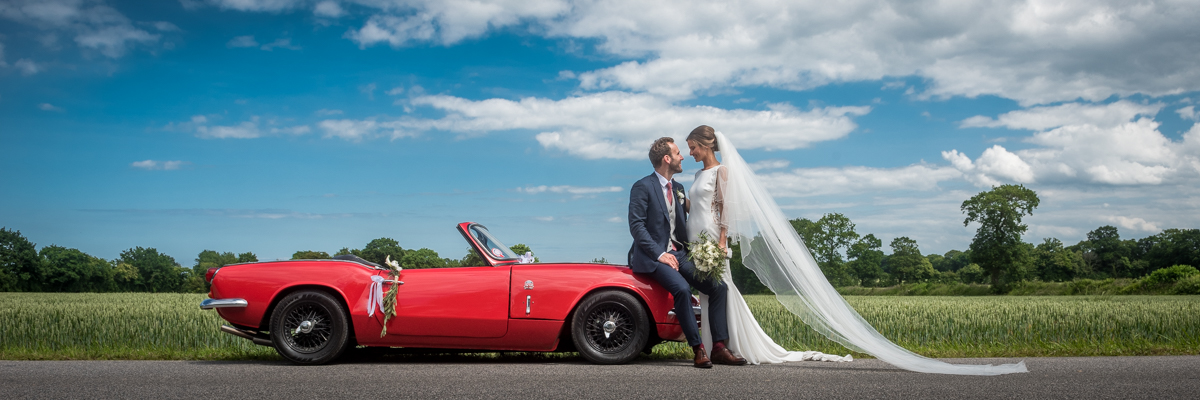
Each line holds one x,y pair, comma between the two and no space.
208,276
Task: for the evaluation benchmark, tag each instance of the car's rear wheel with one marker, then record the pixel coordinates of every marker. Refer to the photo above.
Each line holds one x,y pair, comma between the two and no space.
610,327
309,327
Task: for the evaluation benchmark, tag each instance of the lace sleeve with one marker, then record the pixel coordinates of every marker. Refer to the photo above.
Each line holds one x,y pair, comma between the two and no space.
718,204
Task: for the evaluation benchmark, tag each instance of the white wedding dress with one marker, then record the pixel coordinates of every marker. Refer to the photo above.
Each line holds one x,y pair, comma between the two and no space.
746,337
774,251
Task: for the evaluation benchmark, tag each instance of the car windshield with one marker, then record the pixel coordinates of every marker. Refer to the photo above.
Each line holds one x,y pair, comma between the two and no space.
494,248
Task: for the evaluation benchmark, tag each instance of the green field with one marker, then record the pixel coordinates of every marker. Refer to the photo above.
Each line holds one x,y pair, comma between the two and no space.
37,326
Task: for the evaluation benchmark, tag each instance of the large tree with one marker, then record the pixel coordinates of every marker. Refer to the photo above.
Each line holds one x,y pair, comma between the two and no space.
20,266
866,260
1056,263
829,238
378,250
157,272
1111,254
71,270
906,262
997,244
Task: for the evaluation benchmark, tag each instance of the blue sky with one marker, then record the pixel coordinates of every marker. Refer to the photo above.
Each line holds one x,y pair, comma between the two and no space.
274,126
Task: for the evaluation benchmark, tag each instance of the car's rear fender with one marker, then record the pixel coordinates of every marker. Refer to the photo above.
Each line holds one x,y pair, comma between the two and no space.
565,332
265,324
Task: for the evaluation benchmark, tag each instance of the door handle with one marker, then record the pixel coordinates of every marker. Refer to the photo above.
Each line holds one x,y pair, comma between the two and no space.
528,301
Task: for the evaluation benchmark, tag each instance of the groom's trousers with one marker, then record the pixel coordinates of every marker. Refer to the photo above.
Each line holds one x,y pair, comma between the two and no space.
679,284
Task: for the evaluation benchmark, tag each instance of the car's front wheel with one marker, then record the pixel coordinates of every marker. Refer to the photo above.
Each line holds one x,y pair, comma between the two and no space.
309,327
610,327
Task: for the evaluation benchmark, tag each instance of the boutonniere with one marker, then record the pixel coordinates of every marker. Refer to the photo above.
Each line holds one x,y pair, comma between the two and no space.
679,194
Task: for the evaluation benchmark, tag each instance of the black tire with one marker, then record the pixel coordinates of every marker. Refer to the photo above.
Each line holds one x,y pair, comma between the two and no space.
628,327
325,339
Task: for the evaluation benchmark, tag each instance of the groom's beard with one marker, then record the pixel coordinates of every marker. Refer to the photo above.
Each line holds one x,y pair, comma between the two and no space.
677,167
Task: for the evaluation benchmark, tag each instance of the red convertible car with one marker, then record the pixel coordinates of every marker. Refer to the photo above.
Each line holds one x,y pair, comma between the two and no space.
311,311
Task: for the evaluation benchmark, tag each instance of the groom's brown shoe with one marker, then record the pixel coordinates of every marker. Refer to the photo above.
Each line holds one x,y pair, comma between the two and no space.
722,355
702,360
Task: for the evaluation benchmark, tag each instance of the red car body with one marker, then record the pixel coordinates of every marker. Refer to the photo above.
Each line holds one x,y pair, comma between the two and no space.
503,306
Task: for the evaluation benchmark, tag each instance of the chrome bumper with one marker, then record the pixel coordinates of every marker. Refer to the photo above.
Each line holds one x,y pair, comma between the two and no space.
695,310
209,304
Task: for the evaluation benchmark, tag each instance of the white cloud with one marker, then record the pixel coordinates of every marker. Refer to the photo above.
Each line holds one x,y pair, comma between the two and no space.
576,190
622,125
112,41
1134,223
1035,52
448,21
1189,112
805,182
242,41
358,130
27,67
48,107
1042,118
1114,144
615,219
282,43
95,25
544,219
769,164
250,129
152,165
244,130
395,91
258,5
328,9
165,26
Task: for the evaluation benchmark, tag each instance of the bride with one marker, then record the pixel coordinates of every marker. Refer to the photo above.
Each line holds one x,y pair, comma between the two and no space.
726,201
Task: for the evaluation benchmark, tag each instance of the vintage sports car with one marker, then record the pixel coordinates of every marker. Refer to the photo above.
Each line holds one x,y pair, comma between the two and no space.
311,311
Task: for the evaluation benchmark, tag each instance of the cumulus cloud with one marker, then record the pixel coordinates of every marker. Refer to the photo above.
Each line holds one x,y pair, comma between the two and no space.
1034,52
622,125
254,128
328,9
1188,112
358,130
258,5
576,190
1134,223
1116,144
805,182
153,165
95,25
27,67
282,43
242,41
448,21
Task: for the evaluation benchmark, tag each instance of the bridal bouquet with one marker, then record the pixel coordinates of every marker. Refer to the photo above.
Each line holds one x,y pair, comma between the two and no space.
708,257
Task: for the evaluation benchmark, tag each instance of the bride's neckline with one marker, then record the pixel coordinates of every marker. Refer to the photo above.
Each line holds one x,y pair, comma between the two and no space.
713,167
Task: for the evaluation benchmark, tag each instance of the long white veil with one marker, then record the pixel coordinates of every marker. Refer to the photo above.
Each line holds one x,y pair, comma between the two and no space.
774,251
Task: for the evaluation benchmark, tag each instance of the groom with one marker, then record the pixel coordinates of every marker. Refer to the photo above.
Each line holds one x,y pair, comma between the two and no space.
658,223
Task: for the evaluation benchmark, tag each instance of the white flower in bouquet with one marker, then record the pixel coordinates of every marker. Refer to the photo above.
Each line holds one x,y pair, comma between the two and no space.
708,257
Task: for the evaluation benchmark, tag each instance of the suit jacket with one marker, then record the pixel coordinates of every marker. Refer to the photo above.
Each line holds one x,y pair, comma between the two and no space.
649,223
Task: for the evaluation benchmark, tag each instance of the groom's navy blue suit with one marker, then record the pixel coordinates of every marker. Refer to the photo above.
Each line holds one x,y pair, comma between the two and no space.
650,225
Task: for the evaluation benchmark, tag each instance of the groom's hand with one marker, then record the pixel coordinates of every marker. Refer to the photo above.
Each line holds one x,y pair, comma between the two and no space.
667,258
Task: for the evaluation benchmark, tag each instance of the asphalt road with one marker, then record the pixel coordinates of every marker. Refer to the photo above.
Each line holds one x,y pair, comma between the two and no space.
464,377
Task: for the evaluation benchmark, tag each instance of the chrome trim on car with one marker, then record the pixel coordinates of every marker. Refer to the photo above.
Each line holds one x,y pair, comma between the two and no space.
209,304
256,337
695,309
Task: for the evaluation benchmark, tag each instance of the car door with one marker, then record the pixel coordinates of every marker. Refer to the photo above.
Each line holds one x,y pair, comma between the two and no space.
455,302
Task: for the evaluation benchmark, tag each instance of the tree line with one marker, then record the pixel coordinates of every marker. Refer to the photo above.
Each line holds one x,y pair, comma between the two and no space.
997,256
24,268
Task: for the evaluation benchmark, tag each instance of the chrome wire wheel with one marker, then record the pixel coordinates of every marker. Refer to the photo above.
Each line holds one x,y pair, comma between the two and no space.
307,328
609,328
310,327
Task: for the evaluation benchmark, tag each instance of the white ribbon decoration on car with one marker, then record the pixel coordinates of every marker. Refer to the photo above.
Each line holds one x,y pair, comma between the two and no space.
375,295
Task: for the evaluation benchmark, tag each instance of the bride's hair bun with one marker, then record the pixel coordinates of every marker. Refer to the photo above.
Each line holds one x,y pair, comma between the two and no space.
705,136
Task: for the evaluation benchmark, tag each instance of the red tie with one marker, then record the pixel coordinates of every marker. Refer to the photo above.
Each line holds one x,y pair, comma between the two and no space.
670,198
